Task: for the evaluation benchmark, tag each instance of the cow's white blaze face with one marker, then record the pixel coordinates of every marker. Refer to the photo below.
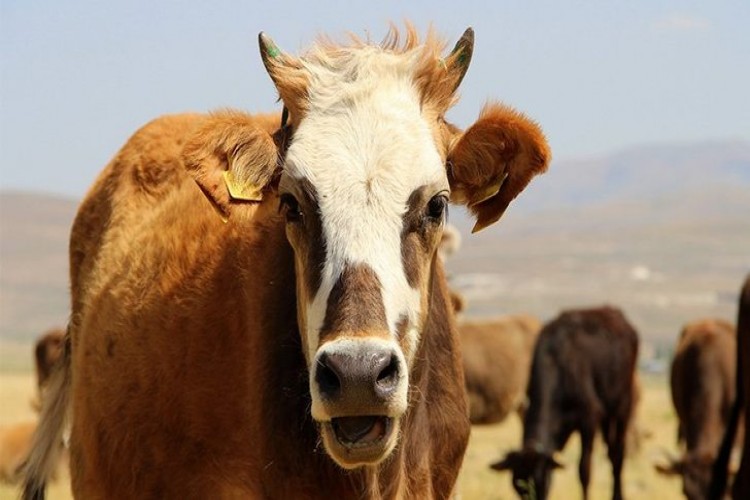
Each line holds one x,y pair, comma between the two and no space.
364,188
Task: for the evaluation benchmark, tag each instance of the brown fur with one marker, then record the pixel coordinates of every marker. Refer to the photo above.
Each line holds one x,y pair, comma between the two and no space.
496,359
231,141
702,392
501,142
355,305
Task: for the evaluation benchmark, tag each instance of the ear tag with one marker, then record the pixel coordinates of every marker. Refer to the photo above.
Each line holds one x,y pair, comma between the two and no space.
240,191
491,190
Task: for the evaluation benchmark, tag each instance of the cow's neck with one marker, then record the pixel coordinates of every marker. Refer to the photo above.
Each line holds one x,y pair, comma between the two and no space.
295,462
544,428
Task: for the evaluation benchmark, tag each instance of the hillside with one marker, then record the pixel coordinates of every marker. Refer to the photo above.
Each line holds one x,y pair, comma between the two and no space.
662,231
641,173
34,231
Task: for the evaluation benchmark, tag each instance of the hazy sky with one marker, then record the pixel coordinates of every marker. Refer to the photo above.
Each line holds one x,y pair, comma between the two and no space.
78,77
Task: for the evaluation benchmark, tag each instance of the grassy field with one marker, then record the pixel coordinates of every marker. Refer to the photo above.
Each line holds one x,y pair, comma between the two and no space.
487,444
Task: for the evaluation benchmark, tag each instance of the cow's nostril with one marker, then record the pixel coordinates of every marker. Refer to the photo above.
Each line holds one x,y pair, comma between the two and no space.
327,378
388,376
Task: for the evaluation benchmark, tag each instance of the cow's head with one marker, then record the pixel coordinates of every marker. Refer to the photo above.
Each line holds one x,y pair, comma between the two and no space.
531,469
695,469
366,169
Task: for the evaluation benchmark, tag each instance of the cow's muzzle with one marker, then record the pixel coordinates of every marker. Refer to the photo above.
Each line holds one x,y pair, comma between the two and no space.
359,389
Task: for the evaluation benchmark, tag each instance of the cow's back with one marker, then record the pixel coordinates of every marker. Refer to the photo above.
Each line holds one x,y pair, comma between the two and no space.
594,353
496,358
160,357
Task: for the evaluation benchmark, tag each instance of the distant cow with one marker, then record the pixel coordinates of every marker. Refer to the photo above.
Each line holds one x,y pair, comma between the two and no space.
15,442
703,391
15,439
741,486
47,352
458,302
258,309
581,379
497,357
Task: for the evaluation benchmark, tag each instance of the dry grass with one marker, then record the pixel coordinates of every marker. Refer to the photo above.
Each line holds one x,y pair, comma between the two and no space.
487,444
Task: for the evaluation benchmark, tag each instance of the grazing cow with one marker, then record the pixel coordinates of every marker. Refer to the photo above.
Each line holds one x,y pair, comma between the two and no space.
581,378
301,343
702,383
497,357
741,485
15,439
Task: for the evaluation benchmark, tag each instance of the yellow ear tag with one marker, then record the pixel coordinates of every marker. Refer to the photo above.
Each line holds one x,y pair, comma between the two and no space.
238,191
491,190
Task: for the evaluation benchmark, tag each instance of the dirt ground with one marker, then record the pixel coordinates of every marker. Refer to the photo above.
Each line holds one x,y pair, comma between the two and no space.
487,445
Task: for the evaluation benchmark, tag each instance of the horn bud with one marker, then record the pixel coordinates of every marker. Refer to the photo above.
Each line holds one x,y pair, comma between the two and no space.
460,58
288,75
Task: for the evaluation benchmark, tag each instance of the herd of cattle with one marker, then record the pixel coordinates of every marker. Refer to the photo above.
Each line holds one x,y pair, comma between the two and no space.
258,309
574,374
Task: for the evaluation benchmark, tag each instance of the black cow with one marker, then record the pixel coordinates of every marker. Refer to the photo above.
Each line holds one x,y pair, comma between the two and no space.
581,380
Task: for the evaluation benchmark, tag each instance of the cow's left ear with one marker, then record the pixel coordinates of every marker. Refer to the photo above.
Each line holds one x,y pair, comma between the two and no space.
233,158
491,162
510,462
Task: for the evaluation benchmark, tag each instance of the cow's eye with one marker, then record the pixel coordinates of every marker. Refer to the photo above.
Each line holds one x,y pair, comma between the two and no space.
291,208
437,207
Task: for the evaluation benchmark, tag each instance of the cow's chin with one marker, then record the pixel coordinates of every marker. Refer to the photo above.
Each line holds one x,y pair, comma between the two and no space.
357,441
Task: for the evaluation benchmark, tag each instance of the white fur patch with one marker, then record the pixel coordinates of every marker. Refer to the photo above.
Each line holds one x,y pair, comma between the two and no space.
365,146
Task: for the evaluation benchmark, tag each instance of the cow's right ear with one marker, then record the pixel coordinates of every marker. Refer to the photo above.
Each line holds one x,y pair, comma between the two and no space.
233,159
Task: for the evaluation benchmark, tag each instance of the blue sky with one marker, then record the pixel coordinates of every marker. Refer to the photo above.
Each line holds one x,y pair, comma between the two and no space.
78,77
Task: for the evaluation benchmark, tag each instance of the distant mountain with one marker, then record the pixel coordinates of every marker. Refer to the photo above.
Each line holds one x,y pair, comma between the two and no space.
663,231
641,173
34,231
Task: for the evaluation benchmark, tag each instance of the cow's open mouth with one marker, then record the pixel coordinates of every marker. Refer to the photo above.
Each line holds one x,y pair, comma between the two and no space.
362,440
357,432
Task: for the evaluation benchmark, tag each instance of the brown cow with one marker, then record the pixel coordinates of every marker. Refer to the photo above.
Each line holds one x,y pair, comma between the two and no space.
47,351
15,442
741,486
702,384
15,439
581,378
300,344
497,357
